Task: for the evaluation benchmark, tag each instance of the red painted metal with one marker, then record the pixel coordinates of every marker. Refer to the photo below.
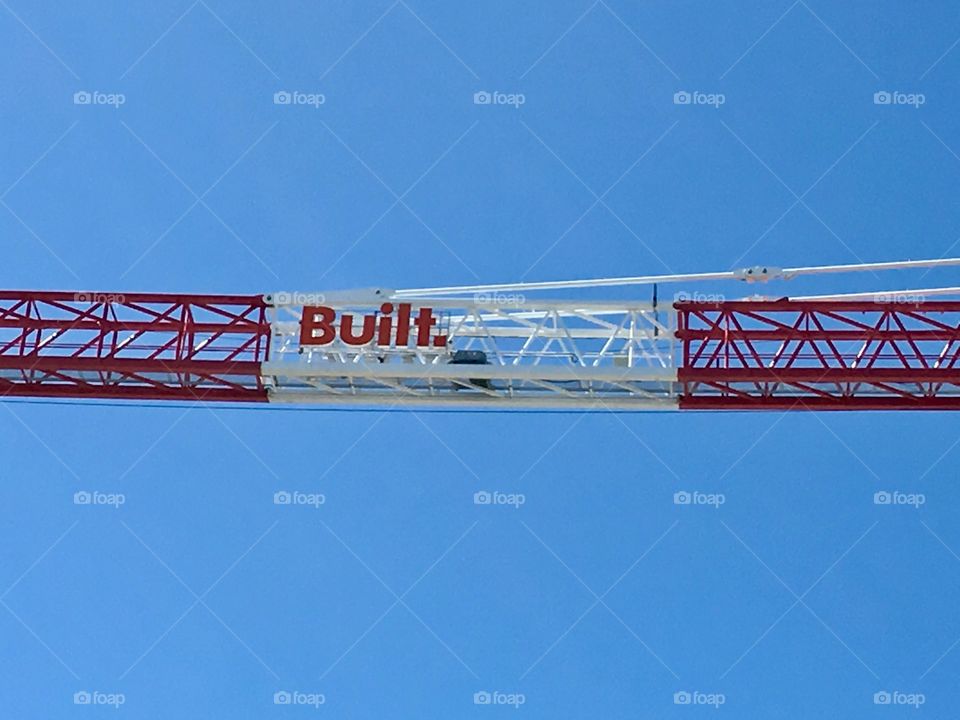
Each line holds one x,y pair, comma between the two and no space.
819,355
133,346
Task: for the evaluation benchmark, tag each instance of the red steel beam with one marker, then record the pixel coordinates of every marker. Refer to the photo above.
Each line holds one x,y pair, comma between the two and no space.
784,403
819,355
142,346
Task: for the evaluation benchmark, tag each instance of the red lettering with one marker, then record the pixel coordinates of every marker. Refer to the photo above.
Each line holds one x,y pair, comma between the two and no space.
314,319
319,326
365,336
403,324
424,322
386,324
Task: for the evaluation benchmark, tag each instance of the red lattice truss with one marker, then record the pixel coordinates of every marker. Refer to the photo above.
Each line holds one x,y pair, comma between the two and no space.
133,346
822,355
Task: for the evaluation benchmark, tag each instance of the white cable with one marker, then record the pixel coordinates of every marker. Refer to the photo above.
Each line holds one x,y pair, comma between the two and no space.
871,267
563,284
757,273
917,295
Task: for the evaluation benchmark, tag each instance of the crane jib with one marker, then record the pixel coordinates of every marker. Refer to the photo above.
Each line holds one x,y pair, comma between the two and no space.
371,350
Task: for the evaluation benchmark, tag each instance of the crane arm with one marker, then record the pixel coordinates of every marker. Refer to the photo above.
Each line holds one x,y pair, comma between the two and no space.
372,348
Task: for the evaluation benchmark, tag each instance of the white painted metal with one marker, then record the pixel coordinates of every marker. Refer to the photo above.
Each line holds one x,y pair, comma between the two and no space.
476,402
749,274
547,354
888,296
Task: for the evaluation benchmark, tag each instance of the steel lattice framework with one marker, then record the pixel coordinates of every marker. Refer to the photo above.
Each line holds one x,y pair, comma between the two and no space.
825,355
738,355
537,354
134,346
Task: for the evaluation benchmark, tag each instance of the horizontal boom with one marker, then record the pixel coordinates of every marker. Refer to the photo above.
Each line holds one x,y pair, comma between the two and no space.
373,349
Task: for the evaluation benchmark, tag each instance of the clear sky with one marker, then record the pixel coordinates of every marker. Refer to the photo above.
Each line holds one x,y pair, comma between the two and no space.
798,597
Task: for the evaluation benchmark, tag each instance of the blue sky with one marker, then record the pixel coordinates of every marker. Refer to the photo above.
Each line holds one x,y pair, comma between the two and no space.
797,597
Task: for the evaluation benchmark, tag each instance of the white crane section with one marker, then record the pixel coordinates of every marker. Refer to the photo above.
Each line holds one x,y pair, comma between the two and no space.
543,353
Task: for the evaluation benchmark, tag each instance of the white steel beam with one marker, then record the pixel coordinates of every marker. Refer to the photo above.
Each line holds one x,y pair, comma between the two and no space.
551,353
465,400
